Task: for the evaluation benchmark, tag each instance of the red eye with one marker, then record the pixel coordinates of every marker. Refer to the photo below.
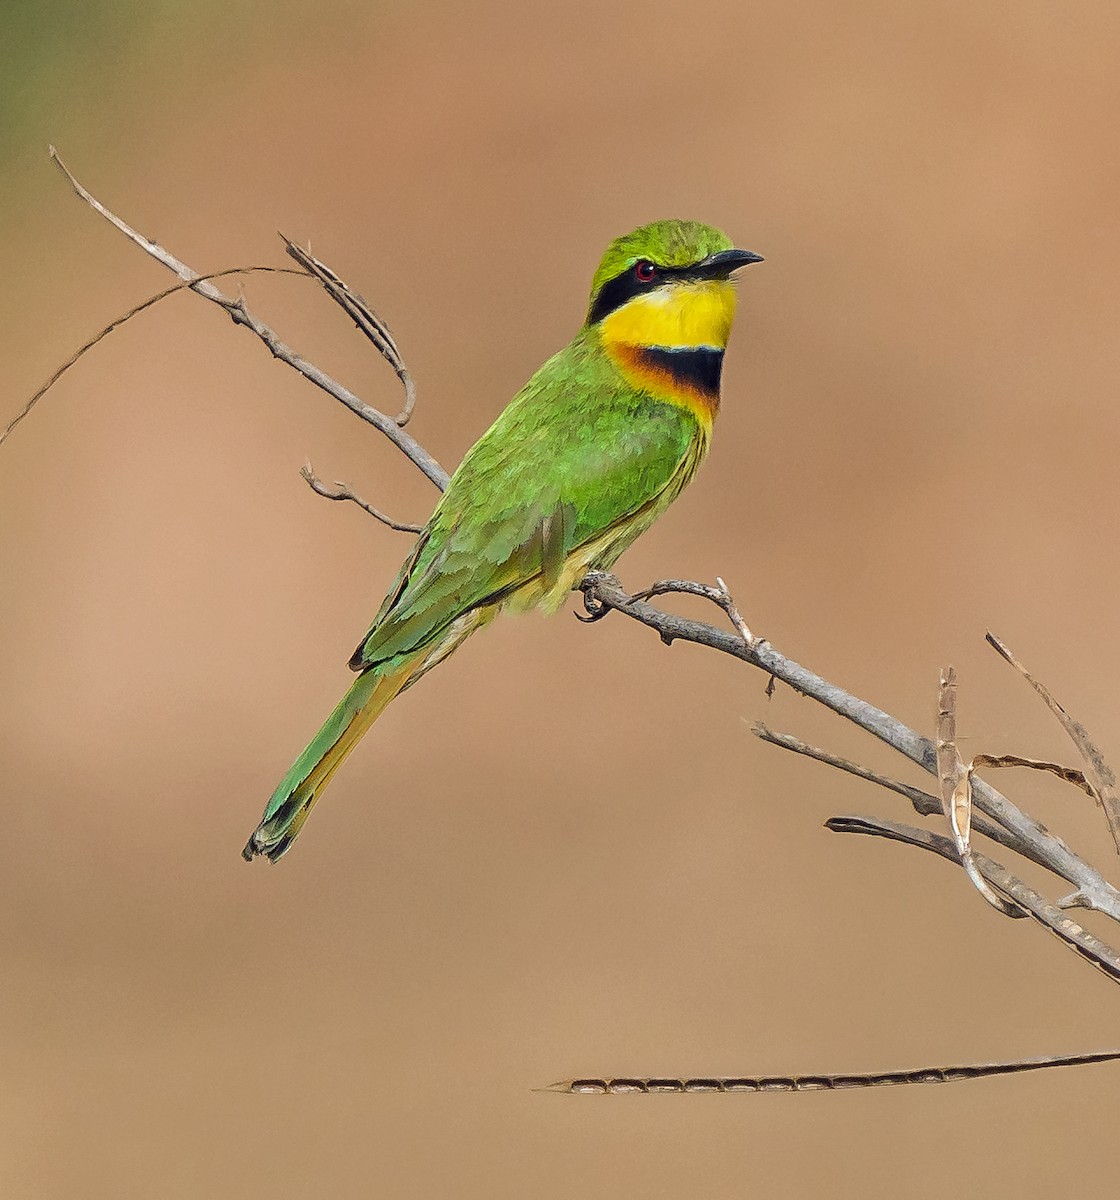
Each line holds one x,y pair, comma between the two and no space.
644,271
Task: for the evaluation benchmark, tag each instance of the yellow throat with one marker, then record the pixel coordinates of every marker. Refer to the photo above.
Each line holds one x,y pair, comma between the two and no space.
670,342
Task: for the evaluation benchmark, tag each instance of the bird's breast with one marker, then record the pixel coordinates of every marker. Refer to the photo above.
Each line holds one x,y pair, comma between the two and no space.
685,376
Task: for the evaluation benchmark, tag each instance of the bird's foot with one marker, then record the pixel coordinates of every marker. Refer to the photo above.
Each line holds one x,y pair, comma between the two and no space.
594,607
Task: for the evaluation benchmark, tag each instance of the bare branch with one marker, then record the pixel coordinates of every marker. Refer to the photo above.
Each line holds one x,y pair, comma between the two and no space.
1079,939
817,1083
924,804
1100,774
117,323
366,321
342,491
718,595
240,315
604,592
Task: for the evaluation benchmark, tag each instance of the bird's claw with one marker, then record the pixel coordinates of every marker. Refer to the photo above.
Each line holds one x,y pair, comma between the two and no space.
594,608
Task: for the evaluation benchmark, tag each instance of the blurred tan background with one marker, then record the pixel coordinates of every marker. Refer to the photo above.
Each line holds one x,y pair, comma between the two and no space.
563,854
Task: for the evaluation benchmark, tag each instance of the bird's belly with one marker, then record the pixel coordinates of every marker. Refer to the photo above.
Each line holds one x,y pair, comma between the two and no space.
549,591
599,554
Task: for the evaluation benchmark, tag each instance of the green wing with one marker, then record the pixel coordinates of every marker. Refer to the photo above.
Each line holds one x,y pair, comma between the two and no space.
576,453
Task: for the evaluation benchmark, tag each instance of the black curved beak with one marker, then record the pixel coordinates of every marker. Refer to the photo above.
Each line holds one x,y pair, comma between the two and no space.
720,266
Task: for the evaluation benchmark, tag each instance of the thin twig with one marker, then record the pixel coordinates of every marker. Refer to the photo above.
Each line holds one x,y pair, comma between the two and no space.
718,595
955,799
118,322
240,315
1100,775
1066,774
924,804
366,321
342,491
624,1085
1076,936
734,615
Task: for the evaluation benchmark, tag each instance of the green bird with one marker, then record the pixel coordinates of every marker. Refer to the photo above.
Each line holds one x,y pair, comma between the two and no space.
583,460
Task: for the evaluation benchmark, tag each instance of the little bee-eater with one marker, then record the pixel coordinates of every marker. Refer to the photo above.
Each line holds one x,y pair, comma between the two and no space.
584,459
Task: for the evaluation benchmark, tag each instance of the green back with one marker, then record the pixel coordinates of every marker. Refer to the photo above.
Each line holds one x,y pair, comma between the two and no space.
574,454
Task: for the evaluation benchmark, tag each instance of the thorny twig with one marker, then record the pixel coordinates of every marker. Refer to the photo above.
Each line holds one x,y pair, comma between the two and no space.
603,593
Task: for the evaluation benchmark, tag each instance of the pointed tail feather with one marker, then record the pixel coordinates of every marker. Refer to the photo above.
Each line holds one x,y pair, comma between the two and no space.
293,800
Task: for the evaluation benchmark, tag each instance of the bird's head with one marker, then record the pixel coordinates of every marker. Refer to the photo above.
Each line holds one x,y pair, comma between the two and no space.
661,308
667,285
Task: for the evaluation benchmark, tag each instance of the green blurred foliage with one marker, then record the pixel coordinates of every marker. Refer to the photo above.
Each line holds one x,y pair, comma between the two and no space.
65,59
92,71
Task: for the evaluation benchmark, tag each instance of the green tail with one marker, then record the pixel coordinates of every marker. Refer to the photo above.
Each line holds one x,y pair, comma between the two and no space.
293,800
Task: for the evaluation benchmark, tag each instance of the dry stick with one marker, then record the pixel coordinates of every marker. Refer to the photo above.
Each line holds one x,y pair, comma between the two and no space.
1100,776
240,315
623,1085
603,592
923,803
1065,774
1091,948
118,322
342,491
366,321
1076,936
1079,939
735,617
957,803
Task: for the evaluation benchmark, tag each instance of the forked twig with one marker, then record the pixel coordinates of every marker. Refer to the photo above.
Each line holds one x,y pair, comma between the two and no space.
595,609
603,591
240,315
